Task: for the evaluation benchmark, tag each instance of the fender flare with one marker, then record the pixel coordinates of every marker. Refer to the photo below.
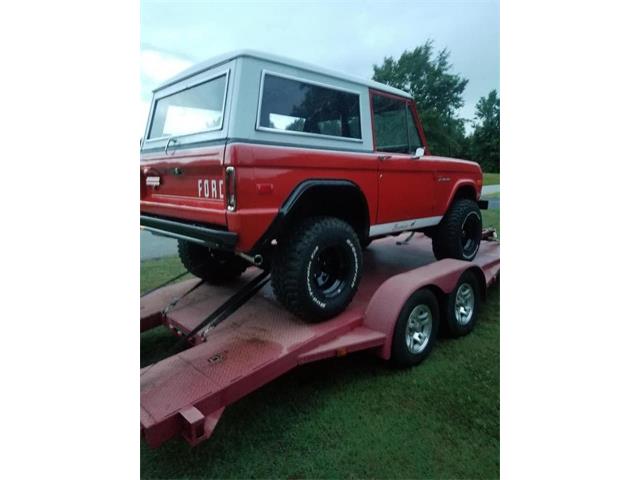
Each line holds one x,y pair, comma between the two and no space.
296,195
306,185
456,188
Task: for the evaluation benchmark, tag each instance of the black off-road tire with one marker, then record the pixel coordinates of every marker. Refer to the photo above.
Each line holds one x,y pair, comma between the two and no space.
462,305
213,266
317,269
401,354
460,231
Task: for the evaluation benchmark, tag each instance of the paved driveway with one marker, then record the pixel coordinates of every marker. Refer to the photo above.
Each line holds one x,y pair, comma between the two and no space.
489,189
154,246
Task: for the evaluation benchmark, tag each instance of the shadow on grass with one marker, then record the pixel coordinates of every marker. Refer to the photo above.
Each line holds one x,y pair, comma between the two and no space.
155,345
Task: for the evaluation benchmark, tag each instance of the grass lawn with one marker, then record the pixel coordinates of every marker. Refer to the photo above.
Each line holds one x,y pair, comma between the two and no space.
156,272
491,179
354,416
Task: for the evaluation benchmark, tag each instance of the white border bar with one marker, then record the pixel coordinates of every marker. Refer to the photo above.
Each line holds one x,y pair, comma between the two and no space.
403,225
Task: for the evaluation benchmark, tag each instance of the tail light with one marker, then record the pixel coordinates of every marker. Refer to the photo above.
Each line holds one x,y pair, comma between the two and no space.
230,184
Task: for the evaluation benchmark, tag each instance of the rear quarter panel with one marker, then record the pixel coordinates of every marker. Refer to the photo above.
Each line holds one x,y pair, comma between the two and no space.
266,176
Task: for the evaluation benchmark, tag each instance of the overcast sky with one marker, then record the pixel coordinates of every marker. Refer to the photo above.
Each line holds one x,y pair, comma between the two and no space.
348,36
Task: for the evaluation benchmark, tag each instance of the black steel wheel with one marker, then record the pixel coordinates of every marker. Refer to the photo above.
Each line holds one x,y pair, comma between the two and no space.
471,235
317,268
460,231
330,271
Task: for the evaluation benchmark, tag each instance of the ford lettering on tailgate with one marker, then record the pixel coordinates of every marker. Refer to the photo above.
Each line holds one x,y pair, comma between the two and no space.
210,188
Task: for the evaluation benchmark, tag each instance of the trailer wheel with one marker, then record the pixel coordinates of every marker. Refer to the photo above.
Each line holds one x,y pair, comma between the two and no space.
213,266
317,269
416,329
460,231
462,306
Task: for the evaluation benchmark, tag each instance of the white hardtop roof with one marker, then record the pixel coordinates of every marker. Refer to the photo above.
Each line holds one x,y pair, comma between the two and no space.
220,59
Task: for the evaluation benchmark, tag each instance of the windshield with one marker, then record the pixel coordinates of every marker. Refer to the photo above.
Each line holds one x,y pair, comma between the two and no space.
195,109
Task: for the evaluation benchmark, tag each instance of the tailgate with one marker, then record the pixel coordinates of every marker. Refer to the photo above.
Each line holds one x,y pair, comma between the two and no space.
185,184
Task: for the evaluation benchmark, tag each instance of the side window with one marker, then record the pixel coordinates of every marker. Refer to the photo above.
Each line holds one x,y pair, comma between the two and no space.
291,105
395,128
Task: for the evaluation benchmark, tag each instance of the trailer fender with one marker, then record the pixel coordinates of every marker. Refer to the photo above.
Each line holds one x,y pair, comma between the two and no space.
385,305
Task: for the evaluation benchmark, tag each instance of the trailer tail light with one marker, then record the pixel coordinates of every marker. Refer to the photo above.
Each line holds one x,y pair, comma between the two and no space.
230,184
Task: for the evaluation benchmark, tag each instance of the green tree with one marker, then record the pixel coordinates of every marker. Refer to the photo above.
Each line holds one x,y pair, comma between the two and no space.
485,140
438,94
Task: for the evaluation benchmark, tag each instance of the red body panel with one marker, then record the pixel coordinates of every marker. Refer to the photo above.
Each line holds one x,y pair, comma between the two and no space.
279,170
406,188
178,195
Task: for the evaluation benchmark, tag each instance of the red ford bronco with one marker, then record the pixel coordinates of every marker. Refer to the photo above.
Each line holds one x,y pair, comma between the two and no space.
250,158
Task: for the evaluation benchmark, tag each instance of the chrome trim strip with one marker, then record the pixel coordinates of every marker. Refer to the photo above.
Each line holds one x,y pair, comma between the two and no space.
247,141
403,225
230,188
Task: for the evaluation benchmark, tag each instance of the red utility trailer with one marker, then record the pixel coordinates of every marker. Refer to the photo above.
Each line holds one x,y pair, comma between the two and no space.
187,393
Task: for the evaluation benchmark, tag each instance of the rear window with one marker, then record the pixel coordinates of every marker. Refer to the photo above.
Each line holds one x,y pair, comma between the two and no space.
195,109
290,105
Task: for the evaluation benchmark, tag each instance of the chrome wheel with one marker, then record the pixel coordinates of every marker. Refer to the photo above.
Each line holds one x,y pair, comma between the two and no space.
465,301
419,328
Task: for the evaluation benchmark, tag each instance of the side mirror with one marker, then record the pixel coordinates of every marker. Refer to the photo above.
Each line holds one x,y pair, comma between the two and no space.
419,152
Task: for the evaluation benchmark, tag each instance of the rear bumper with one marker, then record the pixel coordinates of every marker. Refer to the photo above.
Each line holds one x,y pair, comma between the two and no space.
206,236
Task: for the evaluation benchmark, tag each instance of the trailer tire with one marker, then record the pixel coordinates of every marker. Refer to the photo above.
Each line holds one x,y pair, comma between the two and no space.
212,266
462,306
317,269
412,339
460,231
